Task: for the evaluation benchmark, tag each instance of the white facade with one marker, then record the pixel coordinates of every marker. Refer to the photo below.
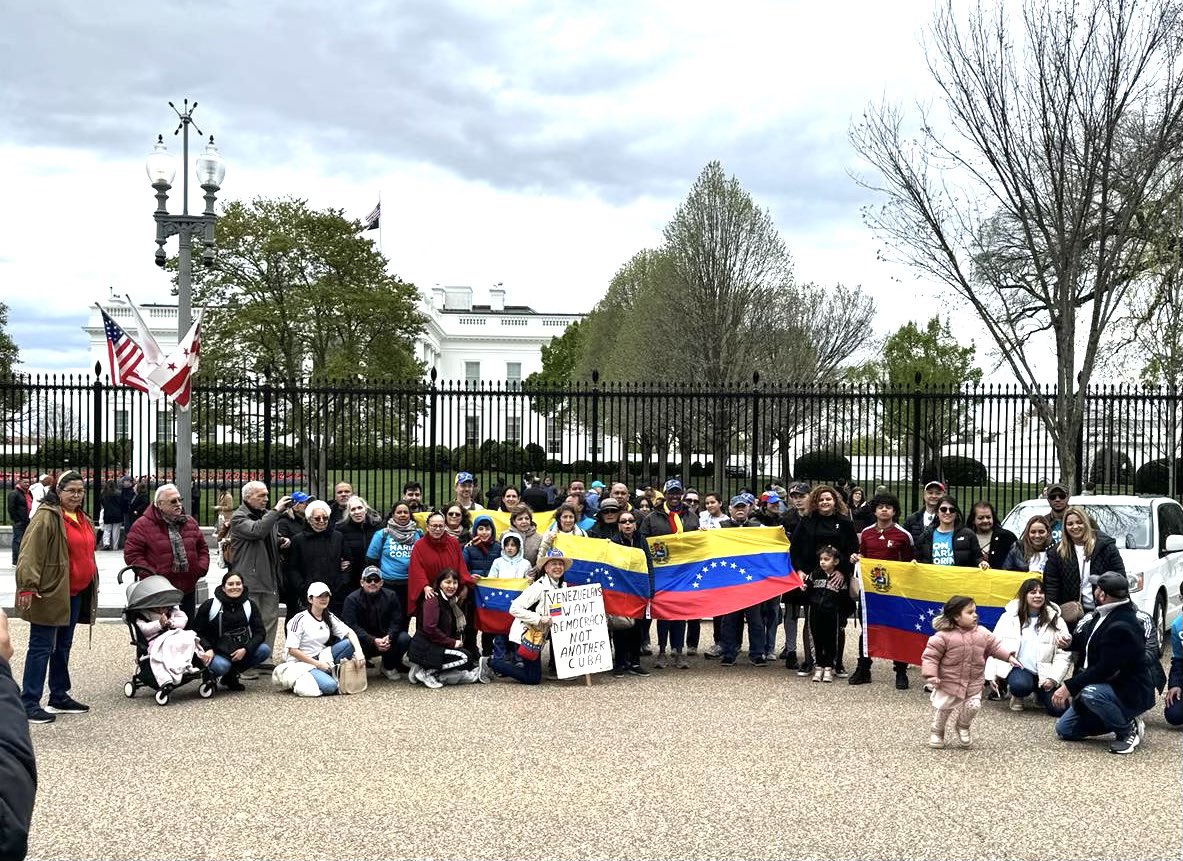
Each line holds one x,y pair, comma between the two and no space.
491,343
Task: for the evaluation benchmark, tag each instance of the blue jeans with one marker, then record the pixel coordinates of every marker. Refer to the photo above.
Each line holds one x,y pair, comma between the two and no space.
1095,711
220,665
527,672
1024,683
732,624
771,612
1174,713
674,631
49,647
342,650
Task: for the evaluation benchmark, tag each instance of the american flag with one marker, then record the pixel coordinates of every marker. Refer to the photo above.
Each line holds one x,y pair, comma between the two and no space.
374,219
123,355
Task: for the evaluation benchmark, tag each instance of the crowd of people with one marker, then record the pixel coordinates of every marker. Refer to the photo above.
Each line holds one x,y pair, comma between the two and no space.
400,592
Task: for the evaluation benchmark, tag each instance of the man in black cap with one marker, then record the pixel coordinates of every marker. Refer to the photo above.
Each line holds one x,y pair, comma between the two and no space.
1112,685
1057,498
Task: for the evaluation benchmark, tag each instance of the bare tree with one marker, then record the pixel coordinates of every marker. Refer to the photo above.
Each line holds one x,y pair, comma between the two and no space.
1029,207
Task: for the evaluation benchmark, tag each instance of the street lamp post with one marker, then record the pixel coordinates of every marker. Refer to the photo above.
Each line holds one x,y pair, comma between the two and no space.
210,172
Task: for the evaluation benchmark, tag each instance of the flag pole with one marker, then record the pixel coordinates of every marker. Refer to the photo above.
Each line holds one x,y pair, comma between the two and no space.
379,221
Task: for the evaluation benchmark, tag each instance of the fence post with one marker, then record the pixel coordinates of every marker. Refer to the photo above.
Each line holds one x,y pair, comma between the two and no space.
432,394
267,407
1078,476
917,432
755,455
595,424
96,442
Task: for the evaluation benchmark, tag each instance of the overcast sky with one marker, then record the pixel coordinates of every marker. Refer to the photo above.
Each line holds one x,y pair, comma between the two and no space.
535,144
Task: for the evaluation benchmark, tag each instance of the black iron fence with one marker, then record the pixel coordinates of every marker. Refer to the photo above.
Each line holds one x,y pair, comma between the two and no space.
985,442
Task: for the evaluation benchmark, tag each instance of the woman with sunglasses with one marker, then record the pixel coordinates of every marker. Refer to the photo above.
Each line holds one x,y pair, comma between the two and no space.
947,541
458,523
56,588
627,641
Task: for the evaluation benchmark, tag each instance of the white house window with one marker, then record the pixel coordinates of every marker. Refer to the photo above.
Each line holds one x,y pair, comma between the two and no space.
554,437
472,373
513,430
472,430
164,426
121,424
513,375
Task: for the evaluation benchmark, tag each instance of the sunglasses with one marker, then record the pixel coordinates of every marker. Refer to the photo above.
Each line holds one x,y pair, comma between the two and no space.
320,518
371,579
624,520
946,509
692,499
1057,496
455,514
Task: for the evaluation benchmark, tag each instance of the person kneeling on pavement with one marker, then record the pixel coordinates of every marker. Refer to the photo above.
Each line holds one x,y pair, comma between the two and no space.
231,626
316,642
376,615
437,653
1112,685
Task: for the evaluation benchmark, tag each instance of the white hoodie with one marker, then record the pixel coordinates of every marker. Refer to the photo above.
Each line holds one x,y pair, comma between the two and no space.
510,567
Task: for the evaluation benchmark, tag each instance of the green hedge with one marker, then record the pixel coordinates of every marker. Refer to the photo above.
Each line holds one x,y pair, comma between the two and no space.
1154,477
956,471
822,466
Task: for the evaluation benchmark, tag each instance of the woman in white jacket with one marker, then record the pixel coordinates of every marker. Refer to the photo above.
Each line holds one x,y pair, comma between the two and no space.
1030,626
530,611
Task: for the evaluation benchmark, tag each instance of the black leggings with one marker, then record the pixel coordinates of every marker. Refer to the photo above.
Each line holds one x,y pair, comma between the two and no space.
824,626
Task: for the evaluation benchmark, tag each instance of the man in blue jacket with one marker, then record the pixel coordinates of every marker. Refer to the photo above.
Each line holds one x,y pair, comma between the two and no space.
1112,686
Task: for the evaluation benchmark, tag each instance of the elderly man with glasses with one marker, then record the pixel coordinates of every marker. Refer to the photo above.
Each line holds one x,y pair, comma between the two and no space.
168,542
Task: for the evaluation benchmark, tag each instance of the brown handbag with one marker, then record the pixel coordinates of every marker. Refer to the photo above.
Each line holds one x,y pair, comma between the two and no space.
351,679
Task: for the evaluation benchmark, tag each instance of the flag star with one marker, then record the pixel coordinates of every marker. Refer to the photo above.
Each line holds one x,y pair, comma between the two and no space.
917,626
714,564
695,585
733,566
744,571
749,577
172,366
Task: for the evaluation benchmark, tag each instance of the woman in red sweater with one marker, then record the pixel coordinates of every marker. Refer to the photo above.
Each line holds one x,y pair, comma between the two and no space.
430,555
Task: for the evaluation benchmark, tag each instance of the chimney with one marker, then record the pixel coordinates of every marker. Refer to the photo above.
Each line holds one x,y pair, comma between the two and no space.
497,298
437,298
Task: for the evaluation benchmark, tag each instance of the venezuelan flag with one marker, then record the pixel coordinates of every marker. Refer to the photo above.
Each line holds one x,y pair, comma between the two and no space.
711,572
901,599
493,597
620,571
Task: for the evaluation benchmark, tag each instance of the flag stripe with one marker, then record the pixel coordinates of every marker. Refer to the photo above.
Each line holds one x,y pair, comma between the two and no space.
894,644
722,571
720,601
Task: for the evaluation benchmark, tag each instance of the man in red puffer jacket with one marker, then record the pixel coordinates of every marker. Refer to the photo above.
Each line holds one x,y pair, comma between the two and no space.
169,542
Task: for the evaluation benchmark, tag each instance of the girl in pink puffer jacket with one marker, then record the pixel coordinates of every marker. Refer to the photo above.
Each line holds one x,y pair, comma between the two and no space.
954,662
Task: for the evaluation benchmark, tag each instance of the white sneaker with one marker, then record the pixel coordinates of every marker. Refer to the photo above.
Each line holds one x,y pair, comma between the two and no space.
485,672
427,677
393,675
1016,704
249,675
1141,725
963,736
936,740
413,674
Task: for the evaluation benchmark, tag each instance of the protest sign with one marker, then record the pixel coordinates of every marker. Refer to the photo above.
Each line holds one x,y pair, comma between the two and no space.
579,631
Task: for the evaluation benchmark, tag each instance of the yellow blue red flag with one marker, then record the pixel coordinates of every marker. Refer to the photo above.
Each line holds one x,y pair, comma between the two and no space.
712,572
493,597
621,572
901,600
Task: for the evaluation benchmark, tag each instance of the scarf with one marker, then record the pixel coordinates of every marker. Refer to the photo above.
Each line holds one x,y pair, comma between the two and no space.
174,524
457,614
455,533
401,534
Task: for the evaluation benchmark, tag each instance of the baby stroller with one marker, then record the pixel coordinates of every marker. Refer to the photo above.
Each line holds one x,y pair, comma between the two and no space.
152,590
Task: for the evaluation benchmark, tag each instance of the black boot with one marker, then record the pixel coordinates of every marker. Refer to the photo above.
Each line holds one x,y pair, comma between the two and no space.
901,680
862,674
790,660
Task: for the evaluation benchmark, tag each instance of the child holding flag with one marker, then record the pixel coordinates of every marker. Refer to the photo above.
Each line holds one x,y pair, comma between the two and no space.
954,662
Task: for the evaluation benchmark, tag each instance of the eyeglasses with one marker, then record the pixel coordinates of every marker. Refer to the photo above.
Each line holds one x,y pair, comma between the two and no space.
946,509
320,518
73,490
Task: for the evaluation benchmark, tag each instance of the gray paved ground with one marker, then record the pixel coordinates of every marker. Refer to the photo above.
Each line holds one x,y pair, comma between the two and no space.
705,763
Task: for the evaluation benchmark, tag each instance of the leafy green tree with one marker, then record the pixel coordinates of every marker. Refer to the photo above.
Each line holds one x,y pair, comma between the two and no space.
9,354
930,357
13,399
299,297
714,305
558,372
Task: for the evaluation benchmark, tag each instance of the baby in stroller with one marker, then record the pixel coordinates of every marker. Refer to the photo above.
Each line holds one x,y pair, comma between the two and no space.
167,655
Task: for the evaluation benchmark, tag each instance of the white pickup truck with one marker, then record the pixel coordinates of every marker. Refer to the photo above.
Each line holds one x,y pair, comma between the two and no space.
1149,535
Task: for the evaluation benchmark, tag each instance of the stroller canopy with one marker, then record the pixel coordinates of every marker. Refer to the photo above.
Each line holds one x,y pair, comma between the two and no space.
153,591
